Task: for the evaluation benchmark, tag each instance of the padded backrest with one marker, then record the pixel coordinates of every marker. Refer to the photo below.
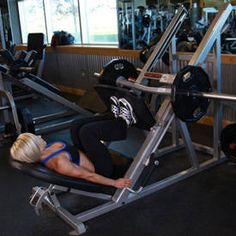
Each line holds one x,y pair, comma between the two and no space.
40,172
145,119
36,43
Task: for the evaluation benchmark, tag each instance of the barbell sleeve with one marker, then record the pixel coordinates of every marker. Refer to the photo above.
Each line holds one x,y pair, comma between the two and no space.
210,95
121,81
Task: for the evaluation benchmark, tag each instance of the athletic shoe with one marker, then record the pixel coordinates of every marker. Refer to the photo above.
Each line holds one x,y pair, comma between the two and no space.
126,112
115,106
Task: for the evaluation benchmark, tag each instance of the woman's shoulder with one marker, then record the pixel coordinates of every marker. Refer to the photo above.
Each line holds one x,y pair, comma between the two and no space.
54,148
56,144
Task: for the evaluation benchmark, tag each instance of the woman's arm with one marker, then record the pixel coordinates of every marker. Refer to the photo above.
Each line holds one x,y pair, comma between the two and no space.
65,167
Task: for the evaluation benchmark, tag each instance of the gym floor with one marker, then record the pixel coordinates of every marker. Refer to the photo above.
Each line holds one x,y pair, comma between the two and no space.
200,205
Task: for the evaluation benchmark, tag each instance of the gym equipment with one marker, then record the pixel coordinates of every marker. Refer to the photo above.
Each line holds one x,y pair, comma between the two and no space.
7,103
140,26
33,58
126,29
2,37
165,120
228,141
70,109
190,92
115,68
42,124
141,110
188,81
229,34
36,43
147,50
188,38
19,75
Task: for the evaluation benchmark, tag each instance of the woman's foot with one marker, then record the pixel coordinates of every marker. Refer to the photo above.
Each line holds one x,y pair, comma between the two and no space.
126,112
115,106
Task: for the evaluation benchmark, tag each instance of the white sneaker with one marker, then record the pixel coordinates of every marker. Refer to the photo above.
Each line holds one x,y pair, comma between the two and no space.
126,112
115,106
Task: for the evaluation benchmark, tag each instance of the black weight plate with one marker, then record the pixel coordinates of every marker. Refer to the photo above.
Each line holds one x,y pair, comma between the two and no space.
26,120
228,140
116,68
190,79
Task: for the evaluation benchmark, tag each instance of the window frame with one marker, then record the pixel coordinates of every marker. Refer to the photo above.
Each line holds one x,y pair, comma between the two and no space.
114,43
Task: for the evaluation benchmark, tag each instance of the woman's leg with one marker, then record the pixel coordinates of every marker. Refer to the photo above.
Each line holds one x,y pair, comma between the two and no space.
76,125
90,136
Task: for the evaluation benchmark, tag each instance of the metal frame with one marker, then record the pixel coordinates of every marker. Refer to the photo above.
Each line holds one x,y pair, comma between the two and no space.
165,119
3,42
9,99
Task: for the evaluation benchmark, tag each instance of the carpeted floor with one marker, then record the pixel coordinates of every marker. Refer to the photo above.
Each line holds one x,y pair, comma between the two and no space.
200,205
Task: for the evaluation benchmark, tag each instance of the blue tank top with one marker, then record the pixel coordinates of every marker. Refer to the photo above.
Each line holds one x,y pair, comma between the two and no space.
69,149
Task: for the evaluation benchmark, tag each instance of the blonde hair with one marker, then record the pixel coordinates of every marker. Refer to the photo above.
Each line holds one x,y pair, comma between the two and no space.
26,148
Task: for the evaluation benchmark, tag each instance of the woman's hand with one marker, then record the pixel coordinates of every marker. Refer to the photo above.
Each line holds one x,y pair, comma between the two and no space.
122,183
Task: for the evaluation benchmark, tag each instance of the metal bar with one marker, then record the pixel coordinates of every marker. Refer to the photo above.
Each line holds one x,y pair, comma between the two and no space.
3,42
4,108
169,91
215,96
48,117
53,127
174,179
213,31
189,145
53,203
13,109
5,114
164,42
97,195
152,142
133,26
218,107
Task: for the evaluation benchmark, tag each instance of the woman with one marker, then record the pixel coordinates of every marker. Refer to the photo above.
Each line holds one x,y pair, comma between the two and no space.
61,158
90,159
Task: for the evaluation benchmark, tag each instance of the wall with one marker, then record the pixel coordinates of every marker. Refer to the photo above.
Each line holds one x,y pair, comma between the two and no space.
213,3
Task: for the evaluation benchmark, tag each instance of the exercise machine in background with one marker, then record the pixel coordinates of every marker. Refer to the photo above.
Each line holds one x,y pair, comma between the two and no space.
20,78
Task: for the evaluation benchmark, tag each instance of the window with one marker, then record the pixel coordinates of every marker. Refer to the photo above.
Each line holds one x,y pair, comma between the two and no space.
99,21
89,21
62,15
32,18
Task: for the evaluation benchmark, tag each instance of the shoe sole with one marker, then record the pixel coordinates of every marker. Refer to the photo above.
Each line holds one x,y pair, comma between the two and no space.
125,102
116,105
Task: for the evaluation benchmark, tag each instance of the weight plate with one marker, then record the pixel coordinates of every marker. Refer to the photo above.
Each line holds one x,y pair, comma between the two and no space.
190,108
228,140
26,120
116,68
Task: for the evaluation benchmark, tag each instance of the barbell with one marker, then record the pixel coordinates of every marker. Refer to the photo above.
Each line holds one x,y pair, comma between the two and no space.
190,92
114,69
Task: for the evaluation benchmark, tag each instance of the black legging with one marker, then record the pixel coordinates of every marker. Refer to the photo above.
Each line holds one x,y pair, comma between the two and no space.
88,133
